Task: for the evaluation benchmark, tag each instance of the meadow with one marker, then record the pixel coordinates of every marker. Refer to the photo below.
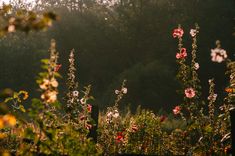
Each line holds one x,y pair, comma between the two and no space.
69,122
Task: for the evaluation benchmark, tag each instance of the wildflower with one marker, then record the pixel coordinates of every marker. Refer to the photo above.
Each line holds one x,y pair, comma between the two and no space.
88,126
45,84
212,97
163,118
57,67
218,55
75,93
196,66
11,28
1,123
134,128
119,137
229,90
26,95
9,120
178,33
49,96
83,101
182,54
189,92
177,110
193,32
89,108
124,90
83,117
54,83
116,91
115,114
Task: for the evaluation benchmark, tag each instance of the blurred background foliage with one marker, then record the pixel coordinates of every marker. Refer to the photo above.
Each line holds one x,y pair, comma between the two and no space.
129,39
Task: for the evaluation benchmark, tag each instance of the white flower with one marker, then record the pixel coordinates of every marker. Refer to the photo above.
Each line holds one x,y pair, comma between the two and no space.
75,93
218,55
116,114
193,32
116,91
124,90
196,66
212,97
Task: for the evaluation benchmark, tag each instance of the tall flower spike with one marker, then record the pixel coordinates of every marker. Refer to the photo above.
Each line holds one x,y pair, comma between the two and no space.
72,95
48,82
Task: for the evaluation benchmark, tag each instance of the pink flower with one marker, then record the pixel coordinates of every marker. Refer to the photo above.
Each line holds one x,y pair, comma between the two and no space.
182,54
134,128
88,126
89,108
218,55
178,33
176,110
57,67
189,92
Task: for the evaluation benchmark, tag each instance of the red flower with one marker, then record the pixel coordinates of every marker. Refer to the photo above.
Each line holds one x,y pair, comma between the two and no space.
119,137
178,33
89,108
176,110
57,67
163,118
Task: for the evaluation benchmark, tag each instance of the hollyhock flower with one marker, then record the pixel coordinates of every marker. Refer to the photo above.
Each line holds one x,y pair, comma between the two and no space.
116,91
177,110
193,32
88,126
212,97
177,33
119,137
83,117
54,83
115,114
124,90
89,108
11,28
163,118
57,67
83,101
75,93
182,54
134,128
49,96
189,92
196,66
218,55
45,84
